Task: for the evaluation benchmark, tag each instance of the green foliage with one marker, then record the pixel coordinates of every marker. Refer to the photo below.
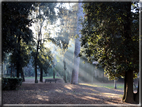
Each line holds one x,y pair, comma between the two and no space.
107,38
68,21
44,58
22,57
44,13
16,33
15,22
11,83
29,70
49,10
62,42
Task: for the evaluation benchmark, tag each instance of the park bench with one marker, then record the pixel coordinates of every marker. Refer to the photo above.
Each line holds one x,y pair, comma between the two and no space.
49,80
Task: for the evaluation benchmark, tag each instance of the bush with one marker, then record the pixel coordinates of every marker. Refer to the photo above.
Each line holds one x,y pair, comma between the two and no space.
11,83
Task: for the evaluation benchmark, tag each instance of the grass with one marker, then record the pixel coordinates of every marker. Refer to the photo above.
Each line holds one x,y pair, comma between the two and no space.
120,86
43,77
111,86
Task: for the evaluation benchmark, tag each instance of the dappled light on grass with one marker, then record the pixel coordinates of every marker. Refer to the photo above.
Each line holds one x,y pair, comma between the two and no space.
120,86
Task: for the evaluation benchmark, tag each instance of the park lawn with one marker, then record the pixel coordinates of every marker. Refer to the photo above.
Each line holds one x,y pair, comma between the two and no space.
111,86
120,86
43,77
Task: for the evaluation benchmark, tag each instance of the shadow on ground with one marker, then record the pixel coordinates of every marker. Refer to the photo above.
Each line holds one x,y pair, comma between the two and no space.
61,93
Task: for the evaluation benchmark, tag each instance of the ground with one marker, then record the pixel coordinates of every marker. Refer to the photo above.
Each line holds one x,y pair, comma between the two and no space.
61,93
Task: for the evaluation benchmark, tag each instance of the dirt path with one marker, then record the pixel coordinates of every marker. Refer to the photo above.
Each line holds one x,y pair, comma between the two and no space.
61,93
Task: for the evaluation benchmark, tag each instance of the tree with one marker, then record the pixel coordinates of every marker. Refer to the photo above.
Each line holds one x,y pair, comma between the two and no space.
62,42
22,57
67,27
44,61
77,46
44,12
16,32
110,36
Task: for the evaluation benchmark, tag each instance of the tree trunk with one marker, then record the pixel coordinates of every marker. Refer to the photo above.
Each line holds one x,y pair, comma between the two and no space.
65,72
29,73
17,70
41,75
128,81
18,62
136,96
115,86
36,81
75,70
11,71
53,74
68,77
22,75
3,68
14,72
128,87
39,40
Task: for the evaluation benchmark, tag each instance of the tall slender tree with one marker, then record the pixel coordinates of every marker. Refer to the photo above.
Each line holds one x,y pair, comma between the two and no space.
65,34
45,13
75,70
45,59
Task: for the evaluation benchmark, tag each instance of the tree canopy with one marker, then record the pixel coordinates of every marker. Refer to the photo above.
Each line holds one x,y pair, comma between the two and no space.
16,33
15,22
108,39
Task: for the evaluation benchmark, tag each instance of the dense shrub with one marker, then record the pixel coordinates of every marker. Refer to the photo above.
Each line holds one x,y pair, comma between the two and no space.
11,83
